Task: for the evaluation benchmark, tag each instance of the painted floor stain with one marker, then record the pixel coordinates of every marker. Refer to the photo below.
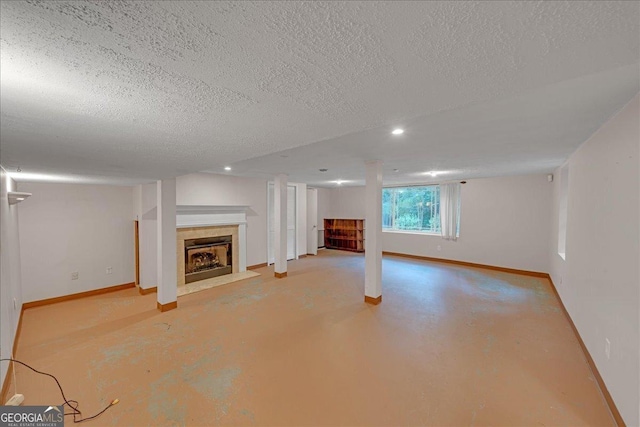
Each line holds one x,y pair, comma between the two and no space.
164,406
217,384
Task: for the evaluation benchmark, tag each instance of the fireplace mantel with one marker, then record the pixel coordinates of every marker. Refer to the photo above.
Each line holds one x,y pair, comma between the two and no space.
196,216
191,209
207,215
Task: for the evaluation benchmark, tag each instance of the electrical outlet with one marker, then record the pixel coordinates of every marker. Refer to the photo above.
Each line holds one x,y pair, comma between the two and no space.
607,348
109,270
439,248
74,275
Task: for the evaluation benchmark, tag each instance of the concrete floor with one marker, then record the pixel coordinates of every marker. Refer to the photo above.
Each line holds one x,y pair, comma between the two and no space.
449,345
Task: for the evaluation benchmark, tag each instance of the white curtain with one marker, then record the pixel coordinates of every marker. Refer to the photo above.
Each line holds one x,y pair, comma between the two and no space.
449,208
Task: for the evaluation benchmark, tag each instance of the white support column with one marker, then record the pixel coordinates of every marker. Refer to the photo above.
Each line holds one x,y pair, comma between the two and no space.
242,238
167,268
280,225
373,237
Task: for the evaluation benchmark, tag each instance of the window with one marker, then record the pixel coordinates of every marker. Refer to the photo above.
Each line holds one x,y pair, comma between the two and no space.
411,209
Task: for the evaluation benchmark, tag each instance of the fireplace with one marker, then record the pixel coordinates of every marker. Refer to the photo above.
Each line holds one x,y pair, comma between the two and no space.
223,232
207,257
204,253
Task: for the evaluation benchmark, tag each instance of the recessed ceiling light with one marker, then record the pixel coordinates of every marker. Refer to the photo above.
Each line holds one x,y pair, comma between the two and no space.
398,131
227,168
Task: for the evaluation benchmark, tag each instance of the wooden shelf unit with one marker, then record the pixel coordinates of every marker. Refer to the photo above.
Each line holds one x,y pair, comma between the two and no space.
344,234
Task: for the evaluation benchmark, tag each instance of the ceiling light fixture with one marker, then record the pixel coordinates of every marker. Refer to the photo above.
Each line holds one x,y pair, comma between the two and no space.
398,131
227,168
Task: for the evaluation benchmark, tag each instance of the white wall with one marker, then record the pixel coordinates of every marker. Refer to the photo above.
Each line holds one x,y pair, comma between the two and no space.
10,275
599,282
347,202
324,211
66,228
504,222
137,202
301,219
212,189
148,235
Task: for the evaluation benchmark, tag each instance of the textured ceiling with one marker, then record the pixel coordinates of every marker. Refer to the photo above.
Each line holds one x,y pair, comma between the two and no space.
533,132
129,92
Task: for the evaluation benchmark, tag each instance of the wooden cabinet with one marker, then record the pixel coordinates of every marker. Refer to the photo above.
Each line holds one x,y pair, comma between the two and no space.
345,234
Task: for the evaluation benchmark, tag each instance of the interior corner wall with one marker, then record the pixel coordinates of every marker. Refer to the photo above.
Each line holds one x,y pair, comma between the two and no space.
137,202
599,280
67,228
301,219
10,274
215,189
148,235
324,212
504,222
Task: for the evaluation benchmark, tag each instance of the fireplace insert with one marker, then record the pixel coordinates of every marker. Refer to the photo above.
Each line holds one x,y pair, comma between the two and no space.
206,258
